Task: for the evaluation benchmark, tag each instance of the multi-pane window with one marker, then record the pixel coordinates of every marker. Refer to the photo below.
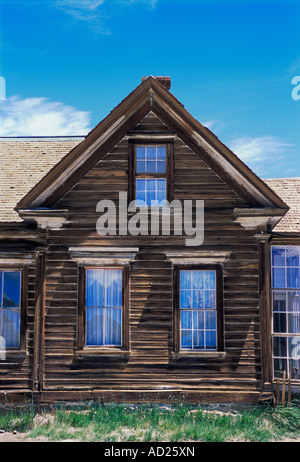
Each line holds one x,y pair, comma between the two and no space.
150,175
198,309
10,308
286,310
104,306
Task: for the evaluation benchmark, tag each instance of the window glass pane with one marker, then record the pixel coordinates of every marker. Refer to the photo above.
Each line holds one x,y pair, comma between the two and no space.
210,320
294,301
11,328
198,319
186,339
185,299
294,347
279,322
280,346
94,287
113,288
150,191
279,300
294,367
198,299
161,153
94,326
280,365
160,166
197,280
140,153
198,339
140,185
294,323
292,256
151,166
140,198
161,185
278,256
161,197
11,289
279,277
209,279
113,324
140,192
140,166
186,320
185,279
150,196
294,312
211,339
210,299
292,277
151,153
185,289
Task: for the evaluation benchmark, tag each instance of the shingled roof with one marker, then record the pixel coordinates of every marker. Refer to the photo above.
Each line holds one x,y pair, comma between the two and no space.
289,190
24,162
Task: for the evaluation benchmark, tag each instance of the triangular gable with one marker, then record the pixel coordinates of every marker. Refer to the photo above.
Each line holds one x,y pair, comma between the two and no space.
150,95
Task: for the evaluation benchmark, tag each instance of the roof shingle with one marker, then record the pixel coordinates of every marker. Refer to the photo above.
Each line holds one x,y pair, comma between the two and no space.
24,162
289,190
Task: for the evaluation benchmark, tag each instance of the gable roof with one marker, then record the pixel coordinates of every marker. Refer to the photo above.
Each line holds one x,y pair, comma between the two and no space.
150,95
24,162
289,190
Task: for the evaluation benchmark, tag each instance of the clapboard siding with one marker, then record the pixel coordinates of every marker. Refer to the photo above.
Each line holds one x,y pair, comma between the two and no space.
151,364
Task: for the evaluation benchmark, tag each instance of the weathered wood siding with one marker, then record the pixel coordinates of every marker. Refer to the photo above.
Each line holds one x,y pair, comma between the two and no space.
150,364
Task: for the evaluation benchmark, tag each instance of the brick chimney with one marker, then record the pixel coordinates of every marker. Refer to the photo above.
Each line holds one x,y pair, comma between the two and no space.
165,81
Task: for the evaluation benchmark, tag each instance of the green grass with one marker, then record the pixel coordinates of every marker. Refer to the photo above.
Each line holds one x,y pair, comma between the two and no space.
113,422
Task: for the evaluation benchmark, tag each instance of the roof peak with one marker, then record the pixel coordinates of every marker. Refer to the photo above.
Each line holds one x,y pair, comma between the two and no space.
164,80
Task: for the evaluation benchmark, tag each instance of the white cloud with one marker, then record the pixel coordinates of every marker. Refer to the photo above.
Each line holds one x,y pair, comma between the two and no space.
41,117
95,13
81,4
258,149
209,124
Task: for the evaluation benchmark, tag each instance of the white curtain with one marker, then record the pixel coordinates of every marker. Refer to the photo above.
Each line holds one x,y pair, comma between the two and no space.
104,306
10,290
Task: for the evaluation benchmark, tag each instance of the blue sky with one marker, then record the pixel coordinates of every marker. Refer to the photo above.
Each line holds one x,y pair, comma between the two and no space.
68,63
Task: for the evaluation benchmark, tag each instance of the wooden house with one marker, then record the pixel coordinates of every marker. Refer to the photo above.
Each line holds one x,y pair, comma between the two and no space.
107,307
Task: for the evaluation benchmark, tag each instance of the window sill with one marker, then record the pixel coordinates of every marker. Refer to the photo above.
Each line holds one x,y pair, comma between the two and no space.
198,354
100,352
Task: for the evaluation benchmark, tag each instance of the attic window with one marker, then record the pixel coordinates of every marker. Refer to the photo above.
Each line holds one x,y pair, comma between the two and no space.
151,174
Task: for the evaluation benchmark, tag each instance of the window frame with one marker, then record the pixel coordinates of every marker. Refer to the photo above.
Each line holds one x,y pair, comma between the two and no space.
219,309
133,174
81,325
282,290
23,306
